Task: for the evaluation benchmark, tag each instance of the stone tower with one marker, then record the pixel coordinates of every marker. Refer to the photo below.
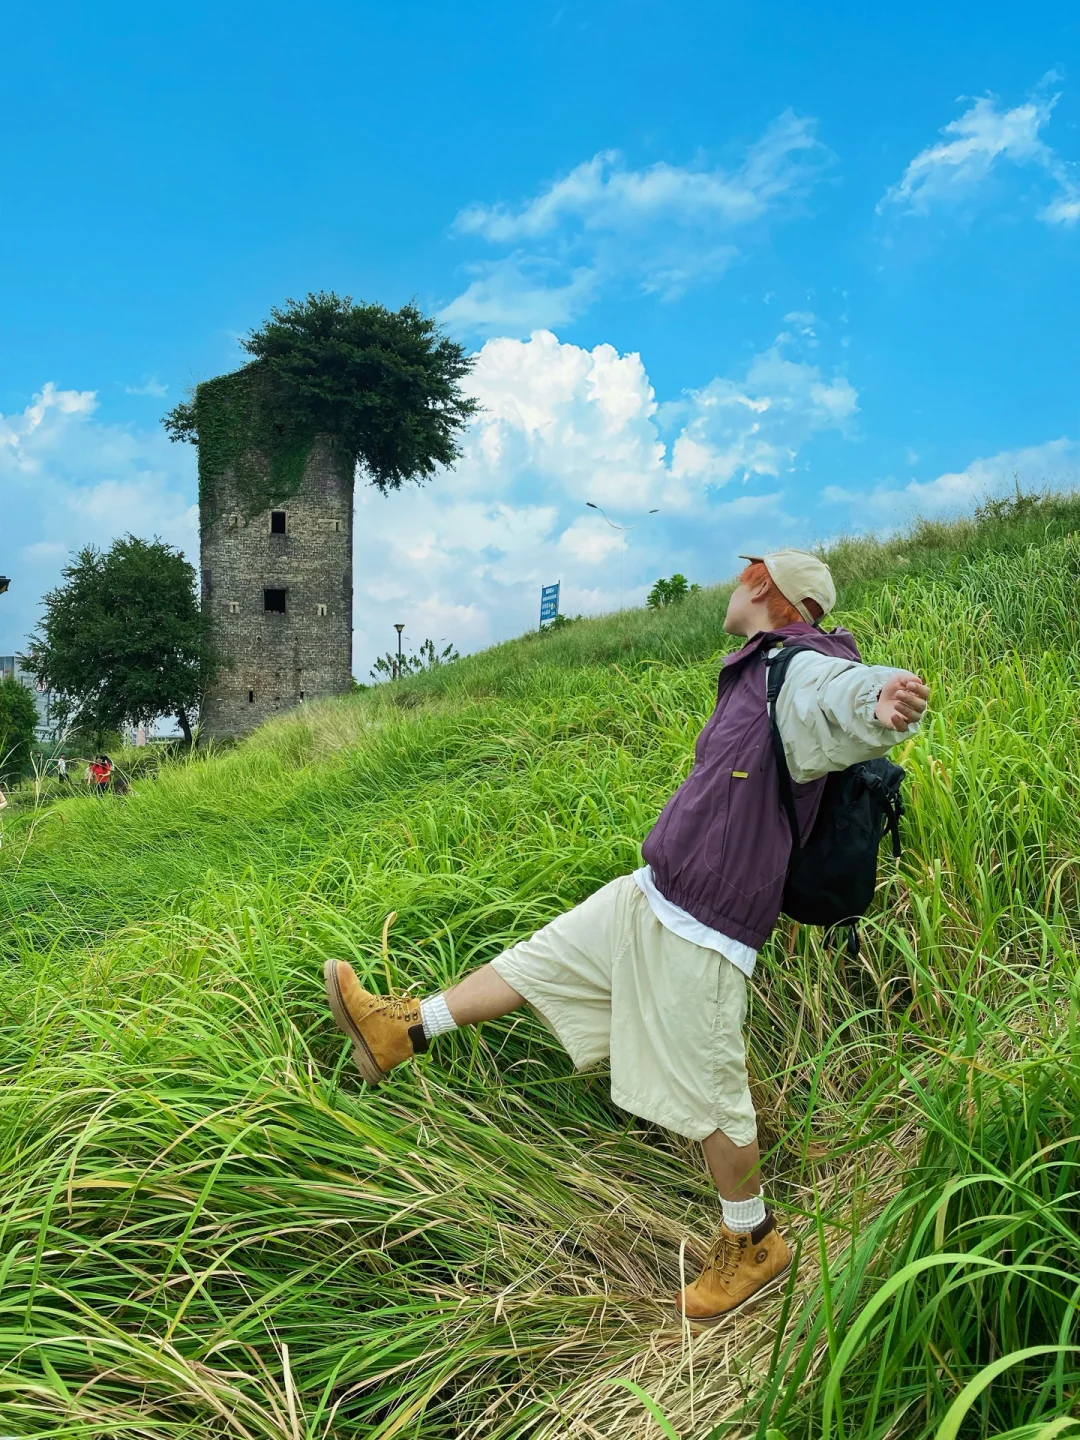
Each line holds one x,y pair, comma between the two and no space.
277,585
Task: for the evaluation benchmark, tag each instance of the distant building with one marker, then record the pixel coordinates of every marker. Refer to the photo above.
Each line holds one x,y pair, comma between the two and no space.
278,588
46,726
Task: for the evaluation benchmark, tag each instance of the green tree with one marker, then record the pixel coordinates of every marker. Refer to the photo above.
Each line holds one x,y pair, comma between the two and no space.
123,640
18,722
426,658
670,592
385,383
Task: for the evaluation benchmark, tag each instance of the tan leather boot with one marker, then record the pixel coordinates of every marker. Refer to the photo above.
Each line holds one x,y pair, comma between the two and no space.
385,1032
739,1267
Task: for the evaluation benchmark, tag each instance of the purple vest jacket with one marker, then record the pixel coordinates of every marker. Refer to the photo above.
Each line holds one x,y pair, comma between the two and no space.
721,846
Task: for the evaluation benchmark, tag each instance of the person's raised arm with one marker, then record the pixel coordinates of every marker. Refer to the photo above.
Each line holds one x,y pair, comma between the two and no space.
833,712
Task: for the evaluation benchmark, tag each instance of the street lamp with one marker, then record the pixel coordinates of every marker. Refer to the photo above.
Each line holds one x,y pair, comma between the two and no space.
622,550
399,629
4,583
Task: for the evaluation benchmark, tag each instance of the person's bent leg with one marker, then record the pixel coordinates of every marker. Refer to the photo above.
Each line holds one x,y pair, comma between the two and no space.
563,972
386,1030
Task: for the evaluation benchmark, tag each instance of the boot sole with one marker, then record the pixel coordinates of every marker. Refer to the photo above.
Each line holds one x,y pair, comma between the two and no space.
705,1321
363,1059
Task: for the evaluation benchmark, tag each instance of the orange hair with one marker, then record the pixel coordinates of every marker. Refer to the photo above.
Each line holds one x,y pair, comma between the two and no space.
779,609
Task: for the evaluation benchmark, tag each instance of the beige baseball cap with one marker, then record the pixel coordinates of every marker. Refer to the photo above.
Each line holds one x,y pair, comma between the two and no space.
799,575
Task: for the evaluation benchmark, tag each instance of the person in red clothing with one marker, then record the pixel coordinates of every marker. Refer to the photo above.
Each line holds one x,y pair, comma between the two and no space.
99,773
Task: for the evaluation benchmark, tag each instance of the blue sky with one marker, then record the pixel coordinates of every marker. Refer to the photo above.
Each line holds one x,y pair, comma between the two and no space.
778,271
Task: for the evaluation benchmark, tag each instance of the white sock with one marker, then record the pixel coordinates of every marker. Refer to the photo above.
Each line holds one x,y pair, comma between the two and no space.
435,1016
743,1214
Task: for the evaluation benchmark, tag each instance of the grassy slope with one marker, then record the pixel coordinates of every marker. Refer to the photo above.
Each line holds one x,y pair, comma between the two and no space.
205,1214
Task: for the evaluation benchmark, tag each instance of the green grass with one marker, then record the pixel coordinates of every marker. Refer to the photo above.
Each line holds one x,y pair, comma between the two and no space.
209,1228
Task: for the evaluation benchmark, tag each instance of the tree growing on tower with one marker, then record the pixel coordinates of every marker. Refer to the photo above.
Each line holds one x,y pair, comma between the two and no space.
386,384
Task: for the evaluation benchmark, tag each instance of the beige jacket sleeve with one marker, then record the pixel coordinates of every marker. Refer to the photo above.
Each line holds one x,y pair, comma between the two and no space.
825,712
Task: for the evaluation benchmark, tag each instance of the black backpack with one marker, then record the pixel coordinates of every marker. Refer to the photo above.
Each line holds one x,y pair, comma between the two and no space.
831,878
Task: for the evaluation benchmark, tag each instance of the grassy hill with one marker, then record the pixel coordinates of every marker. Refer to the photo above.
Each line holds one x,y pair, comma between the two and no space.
208,1228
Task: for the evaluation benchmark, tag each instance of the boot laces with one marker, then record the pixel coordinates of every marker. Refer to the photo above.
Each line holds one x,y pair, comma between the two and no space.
399,1007
724,1255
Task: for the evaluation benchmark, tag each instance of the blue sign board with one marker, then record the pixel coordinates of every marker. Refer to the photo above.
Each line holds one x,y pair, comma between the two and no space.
549,603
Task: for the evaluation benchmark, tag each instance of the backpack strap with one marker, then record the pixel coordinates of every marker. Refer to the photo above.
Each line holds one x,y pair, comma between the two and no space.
892,825
775,673
892,807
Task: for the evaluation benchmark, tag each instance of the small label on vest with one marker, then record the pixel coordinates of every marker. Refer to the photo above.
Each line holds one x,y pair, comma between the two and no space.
739,774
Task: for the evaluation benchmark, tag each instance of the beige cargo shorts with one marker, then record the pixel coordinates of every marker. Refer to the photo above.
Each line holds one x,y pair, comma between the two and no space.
612,983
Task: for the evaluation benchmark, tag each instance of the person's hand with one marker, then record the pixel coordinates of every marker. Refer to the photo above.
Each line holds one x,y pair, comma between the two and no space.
901,702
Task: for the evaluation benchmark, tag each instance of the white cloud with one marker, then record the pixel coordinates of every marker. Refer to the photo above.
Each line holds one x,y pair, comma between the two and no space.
758,424
19,435
152,387
665,227
603,194
1054,465
518,295
581,418
589,541
1064,209
980,141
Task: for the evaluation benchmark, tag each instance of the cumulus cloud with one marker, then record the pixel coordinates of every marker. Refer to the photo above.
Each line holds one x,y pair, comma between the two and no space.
665,228
981,140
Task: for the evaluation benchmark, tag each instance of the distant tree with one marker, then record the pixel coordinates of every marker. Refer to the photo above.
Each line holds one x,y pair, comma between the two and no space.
18,723
426,658
559,623
386,383
123,640
670,592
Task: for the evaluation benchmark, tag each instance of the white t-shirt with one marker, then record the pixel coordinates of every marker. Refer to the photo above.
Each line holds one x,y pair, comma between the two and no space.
743,957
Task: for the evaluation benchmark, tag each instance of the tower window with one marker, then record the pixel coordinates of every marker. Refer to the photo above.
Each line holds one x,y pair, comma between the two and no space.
277,522
234,522
274,601
234,607
251,697
320,609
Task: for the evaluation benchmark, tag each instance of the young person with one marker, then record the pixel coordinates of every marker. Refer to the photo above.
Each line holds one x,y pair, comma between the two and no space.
99,773
650,972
